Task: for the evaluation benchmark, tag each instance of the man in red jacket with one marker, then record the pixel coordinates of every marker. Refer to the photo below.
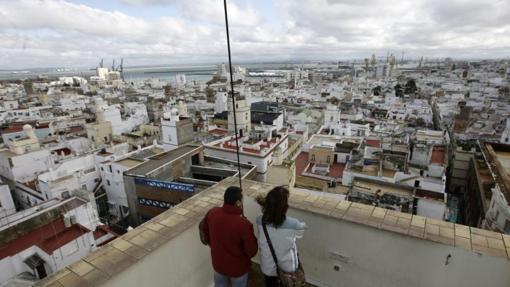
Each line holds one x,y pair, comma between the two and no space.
231,238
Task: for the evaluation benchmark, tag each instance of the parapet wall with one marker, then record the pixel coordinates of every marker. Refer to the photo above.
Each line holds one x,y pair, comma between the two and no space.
346,244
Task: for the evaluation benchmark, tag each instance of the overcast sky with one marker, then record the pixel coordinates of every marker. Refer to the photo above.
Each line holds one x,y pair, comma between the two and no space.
51,33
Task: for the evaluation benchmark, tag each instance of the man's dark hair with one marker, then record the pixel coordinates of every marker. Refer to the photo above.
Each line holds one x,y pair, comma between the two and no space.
232,195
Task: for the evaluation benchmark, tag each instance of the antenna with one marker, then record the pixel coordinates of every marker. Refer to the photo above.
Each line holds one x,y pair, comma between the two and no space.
101,63
232,91
122,68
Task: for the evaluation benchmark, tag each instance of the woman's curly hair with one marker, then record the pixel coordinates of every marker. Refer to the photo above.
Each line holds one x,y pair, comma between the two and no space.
274,206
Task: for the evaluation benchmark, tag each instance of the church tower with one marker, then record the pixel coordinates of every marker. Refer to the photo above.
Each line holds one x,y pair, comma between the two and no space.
243,115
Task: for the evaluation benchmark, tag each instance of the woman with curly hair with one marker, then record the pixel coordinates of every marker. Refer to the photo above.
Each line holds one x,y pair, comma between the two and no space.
282,231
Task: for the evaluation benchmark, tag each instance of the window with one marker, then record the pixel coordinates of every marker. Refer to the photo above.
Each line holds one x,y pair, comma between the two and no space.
328,159
313,157
110,167
108,182
497,215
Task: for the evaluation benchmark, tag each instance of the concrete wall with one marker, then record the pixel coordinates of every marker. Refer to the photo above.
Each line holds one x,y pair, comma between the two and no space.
321,155
362,255
371,257
260,162
6,201
182,262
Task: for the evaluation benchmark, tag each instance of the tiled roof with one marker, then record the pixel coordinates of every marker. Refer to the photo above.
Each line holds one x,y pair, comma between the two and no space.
49,238
438,155
126,250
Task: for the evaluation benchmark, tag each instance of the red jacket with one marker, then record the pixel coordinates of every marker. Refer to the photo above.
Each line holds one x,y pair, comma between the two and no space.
231,238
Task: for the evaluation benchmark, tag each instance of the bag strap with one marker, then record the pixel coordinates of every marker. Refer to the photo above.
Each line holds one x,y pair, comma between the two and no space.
273,253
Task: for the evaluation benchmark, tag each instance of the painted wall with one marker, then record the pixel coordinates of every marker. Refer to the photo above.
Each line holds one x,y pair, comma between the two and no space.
182,261
261,163
431,208
25,166
113,184
365,256
6,202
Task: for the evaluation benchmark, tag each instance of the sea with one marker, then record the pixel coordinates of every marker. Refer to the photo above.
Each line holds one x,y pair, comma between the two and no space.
197,73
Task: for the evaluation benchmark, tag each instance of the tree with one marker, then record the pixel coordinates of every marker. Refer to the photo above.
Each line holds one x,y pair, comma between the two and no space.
377,91
504,91
333,100
410,87
420,122
398,91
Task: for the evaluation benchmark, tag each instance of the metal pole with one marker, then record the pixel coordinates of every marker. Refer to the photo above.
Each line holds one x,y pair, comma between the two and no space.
232,93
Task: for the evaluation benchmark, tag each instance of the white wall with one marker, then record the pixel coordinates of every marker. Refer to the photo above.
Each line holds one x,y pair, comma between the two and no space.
25,166
431,208
381,258
365,257
6,202
259,162
182,261
115,190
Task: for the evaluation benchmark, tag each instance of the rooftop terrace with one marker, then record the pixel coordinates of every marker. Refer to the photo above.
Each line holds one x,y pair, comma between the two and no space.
346,244
156,161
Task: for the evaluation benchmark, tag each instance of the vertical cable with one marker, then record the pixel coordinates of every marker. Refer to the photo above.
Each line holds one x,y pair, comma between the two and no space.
232,91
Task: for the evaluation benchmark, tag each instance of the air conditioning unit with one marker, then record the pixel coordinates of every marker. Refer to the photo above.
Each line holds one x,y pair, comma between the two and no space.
73,219
67,221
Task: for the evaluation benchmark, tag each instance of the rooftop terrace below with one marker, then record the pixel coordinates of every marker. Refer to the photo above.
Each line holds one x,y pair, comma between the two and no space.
346,244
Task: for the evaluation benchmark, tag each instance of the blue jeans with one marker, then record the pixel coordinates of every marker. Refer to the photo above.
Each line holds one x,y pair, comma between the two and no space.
222,280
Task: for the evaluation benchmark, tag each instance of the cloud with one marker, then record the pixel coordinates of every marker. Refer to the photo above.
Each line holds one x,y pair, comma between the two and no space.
420,25
57,32
147,2
212,11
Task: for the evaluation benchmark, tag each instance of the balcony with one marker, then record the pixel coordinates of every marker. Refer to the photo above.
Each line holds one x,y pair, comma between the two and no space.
346,244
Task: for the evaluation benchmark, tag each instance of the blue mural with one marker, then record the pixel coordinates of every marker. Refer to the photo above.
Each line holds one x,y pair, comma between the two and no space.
154,203
175,186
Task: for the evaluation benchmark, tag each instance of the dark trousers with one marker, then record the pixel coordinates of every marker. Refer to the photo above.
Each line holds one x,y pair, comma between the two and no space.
271,281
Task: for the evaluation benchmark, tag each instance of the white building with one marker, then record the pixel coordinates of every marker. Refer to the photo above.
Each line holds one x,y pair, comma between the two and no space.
24,167
112,171
6,202
242,114
261,152
136,115
180,80
221,102
76,176
505,136
175,130
46,238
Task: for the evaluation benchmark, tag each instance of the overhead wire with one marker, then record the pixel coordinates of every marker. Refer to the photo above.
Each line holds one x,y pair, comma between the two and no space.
232,93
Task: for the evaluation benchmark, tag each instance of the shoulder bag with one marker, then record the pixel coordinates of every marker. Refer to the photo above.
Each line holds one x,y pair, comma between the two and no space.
286,279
